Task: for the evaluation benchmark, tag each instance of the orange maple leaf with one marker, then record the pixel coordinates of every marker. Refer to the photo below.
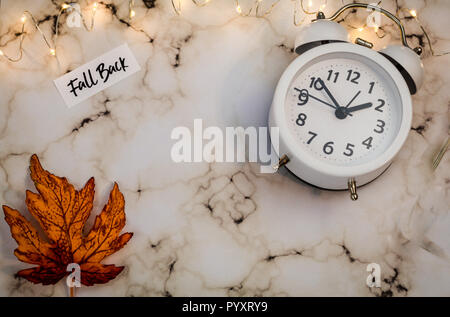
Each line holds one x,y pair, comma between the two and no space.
62,212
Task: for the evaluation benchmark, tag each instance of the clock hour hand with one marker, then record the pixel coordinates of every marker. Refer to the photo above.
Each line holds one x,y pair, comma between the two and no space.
359,107
324,87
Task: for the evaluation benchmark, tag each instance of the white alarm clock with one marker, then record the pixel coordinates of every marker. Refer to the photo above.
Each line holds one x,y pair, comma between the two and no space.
343,110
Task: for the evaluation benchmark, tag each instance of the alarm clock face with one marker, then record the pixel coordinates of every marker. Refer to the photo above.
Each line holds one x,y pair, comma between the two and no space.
343,109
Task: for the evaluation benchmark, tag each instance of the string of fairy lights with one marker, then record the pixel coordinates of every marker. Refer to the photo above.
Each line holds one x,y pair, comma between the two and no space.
255,10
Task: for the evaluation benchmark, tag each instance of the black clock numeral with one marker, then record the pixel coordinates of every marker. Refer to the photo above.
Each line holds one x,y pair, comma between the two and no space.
312,138
301,119
303,96
368,142
316,83
378,108
355,78
380,125
330,74
371,86
349,149
327,148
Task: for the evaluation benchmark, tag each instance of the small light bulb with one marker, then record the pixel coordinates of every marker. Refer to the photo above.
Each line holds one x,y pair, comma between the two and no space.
413,13
1,53
360,29
238,9
52,52
64,6
23,18
95,6
132,13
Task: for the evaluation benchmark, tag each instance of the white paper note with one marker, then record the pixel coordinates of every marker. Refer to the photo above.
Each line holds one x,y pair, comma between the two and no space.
97,75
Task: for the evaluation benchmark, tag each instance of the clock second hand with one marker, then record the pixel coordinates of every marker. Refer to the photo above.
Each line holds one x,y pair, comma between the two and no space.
319,100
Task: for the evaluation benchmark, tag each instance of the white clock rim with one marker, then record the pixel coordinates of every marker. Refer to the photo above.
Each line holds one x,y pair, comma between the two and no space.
279,118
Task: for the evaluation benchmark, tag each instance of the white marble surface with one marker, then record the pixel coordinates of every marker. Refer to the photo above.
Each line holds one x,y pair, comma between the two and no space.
219,229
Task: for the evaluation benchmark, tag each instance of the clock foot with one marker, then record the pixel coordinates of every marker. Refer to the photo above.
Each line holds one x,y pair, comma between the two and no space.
283,161
352,189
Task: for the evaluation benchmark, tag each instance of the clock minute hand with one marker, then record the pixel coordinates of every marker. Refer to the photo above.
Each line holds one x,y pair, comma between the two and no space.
321,82
359,107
